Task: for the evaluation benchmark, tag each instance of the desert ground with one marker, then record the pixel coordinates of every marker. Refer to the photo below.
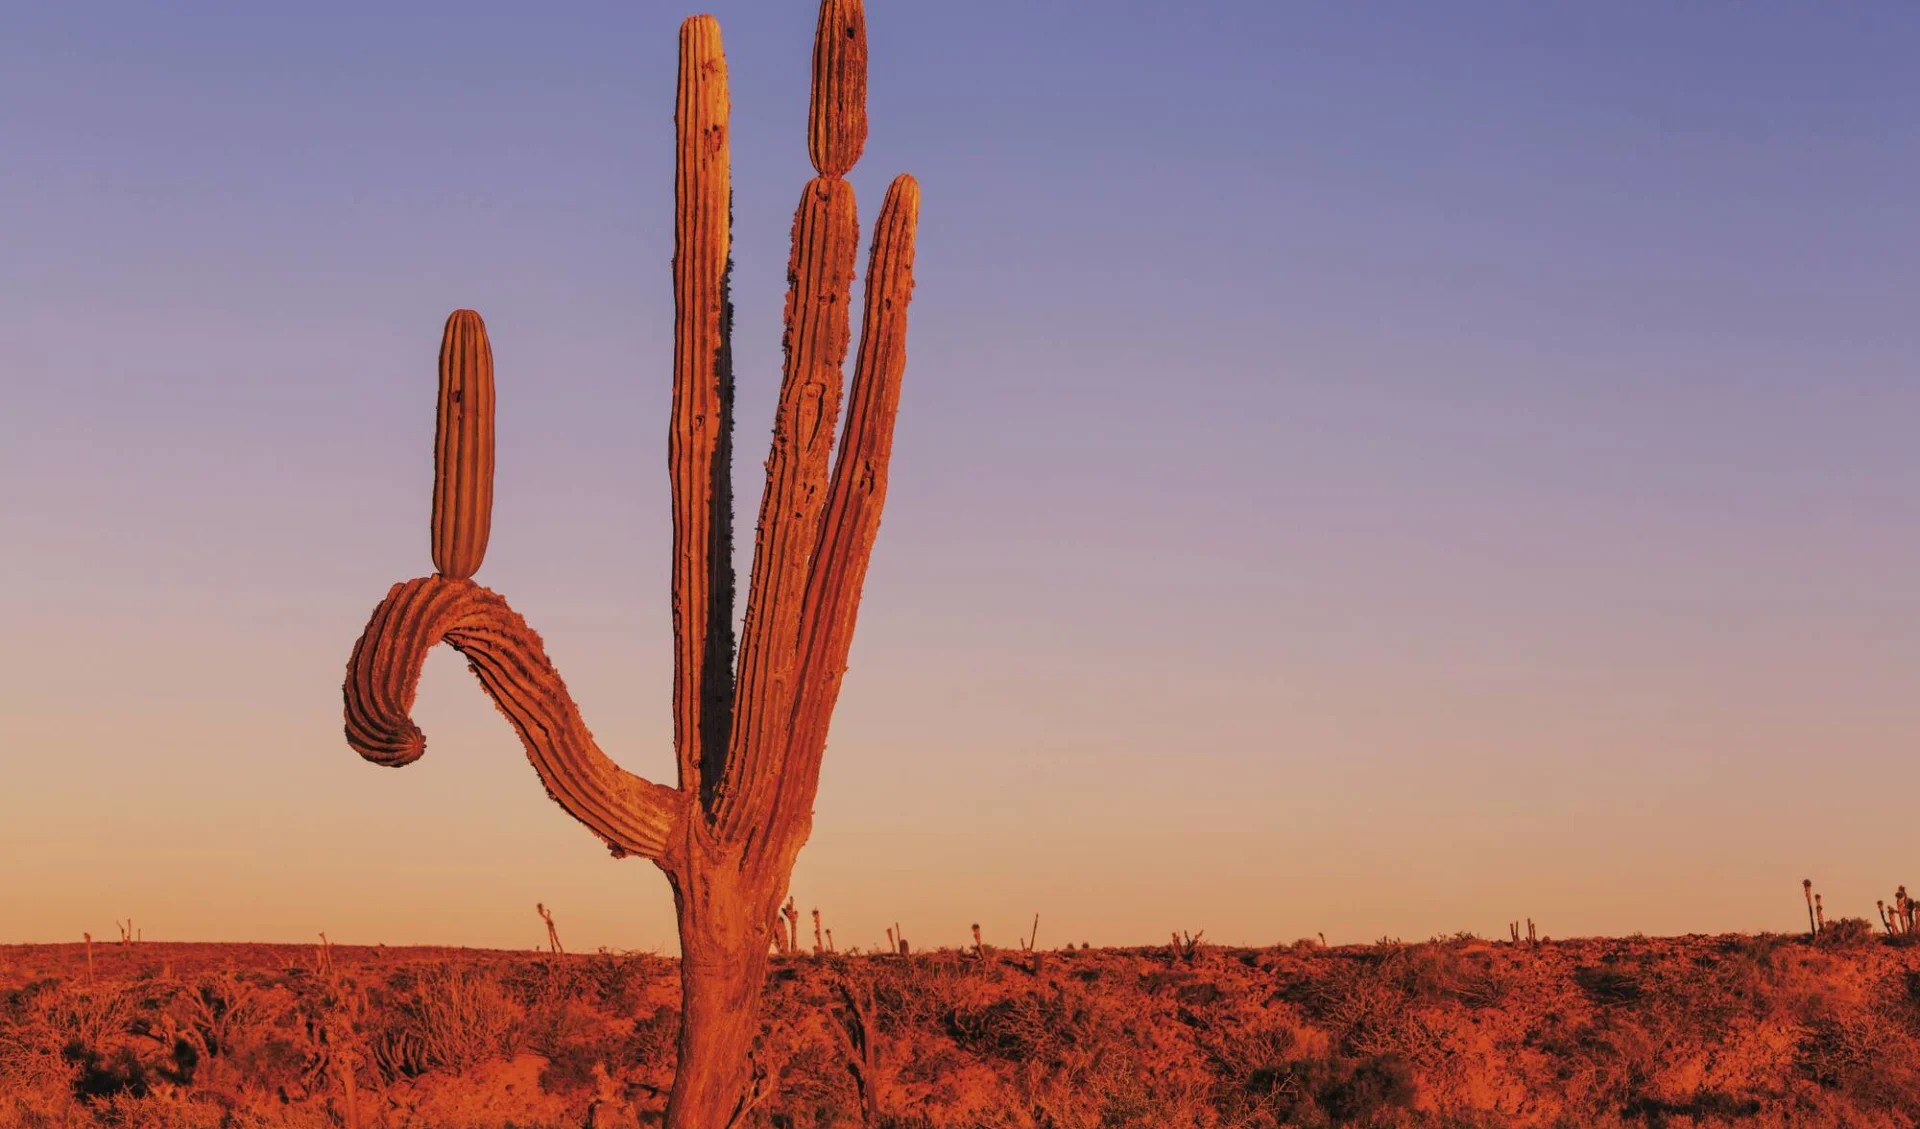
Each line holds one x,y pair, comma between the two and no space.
1735,1030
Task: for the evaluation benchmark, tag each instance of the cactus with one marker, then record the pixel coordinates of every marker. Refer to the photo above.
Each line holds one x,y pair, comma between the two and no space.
748,738
463,448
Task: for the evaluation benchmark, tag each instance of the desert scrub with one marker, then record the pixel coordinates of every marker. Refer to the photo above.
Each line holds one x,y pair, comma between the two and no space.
1609,983
1338,1091
1847,933
1389,1004
1867,1052
448,1018
1461,969
1033,1026
1251,1059
917,992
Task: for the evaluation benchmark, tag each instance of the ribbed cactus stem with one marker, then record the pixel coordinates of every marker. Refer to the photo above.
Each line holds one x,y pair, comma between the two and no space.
748,755
631,815
858,490
826,236
463,448
698,443
837,112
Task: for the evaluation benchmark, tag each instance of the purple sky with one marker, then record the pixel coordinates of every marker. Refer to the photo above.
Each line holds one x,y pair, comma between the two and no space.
1380,472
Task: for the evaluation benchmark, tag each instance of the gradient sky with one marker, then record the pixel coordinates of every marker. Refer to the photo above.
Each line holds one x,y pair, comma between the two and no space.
1377,469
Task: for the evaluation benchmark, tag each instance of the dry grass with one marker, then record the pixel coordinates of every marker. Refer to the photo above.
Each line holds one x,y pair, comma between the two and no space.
1450,1034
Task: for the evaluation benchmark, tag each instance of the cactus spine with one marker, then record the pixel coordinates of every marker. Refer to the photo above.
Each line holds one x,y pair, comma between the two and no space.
748,741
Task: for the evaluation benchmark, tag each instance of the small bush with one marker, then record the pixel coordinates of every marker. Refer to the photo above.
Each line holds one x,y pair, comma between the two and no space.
1609,984
656,1039
452,1019
1018,1029
1348,1091
1847,933
570,1068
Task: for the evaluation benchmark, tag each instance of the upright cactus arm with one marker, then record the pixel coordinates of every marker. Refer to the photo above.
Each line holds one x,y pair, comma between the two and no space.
837,110
826,237
463,448
854,499
632,815
699,442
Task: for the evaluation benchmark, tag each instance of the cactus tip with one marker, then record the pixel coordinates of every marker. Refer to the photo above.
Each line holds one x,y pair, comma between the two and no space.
837,113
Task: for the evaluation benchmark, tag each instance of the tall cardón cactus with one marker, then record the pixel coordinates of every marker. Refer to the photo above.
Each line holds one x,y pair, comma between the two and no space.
748,735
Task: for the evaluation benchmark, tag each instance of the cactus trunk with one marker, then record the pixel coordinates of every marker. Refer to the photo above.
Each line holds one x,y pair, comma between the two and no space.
726,910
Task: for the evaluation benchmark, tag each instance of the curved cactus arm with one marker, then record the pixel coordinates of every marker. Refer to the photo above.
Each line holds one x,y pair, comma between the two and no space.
632,815
851,517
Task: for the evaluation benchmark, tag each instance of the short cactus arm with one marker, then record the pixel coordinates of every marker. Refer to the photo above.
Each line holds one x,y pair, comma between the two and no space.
632,815
837,110
463,448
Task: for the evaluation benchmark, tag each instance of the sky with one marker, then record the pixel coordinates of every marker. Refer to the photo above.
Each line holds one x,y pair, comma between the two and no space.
1365,470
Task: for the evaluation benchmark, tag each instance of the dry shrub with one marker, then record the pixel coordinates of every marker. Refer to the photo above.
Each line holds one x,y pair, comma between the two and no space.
1340,1090
1743,978
451,1019
1249,1056
217,1007
87,1016
1447,970
1862,1053
917,993
1112,1086
31,1042
580,1042
656,1039
1380,1006
1609,983
619,983
38,1109
1034,1026
570,1065
1847,933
